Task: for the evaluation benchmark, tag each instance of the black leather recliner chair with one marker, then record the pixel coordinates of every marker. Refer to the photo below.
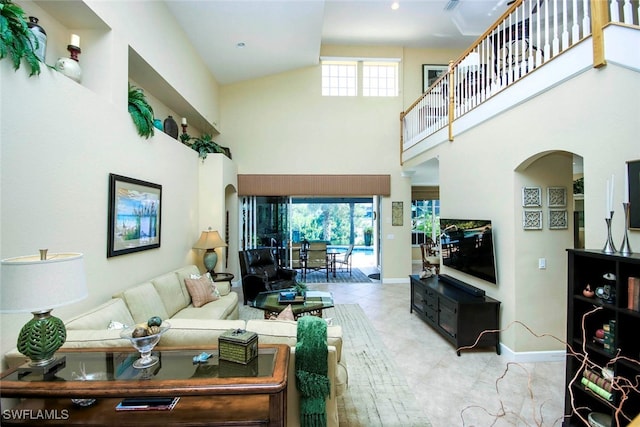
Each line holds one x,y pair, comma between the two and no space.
260,273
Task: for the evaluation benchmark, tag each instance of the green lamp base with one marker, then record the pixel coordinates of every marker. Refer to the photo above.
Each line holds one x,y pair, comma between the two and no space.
210,259
41,337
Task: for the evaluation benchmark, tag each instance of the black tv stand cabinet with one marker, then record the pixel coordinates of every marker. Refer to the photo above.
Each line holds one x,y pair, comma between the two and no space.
456,310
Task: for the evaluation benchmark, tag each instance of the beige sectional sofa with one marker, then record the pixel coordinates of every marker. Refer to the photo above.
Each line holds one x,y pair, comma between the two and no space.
167,296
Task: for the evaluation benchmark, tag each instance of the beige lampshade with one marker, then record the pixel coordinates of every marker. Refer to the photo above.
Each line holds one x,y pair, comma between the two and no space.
30,284
209,240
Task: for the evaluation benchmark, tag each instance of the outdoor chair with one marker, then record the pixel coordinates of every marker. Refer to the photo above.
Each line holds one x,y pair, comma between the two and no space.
317,258
345,262
261,273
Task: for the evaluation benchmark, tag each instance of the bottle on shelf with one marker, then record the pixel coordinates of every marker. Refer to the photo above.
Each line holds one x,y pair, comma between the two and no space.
39,38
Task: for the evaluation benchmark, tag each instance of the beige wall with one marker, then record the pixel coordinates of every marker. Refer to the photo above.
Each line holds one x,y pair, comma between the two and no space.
483,170
138,23
282,125
413,59
59,140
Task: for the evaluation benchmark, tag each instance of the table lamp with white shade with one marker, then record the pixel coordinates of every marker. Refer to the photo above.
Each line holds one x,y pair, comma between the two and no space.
38,284
210,240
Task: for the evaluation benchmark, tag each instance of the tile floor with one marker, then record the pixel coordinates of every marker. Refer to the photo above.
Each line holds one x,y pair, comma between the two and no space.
456,391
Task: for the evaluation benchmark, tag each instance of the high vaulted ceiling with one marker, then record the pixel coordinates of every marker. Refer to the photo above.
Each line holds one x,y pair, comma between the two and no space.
282,35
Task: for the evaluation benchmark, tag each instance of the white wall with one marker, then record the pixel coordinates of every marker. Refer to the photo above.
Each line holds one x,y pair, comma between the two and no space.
282,125
483,170
218,179
59,140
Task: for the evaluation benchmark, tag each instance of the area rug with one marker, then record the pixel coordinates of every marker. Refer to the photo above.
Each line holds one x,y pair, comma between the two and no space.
356,276
378,394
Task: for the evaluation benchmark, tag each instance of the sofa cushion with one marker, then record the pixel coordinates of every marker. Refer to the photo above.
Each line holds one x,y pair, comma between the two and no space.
170,290
101,316
144,302
285,332
190,332
201,290
83,338
219,309
224,287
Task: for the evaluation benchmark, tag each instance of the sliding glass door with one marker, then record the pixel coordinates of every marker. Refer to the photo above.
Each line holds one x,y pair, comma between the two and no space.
280,222
265,223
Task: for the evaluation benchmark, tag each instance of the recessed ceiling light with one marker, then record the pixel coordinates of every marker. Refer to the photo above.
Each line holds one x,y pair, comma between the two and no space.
395,5
240,45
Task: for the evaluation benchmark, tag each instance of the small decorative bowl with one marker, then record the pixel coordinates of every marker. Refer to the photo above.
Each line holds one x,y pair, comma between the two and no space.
97,376
144,345
598,419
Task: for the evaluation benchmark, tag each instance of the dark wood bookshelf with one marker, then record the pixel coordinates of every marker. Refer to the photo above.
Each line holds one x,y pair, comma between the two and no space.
587,267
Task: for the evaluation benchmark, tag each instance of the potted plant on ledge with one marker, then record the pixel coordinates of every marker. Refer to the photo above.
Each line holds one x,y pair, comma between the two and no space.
141,112
205,145
16,40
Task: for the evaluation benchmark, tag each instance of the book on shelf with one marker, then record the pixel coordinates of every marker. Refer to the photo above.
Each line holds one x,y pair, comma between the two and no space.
596,389
633,298
287,295
597,379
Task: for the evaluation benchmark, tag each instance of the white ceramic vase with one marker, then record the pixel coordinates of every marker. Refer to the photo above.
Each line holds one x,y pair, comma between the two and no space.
70,68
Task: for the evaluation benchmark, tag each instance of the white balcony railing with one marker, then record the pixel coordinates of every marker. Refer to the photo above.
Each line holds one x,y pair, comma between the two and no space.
529,34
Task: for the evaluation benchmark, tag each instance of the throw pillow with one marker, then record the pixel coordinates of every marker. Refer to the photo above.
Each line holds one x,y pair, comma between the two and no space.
286,314
201,291
216,291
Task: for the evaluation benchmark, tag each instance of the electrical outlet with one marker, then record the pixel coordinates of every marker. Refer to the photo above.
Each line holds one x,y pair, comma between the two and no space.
542,263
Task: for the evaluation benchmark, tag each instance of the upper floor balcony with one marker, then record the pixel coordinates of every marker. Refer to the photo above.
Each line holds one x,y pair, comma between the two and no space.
533,46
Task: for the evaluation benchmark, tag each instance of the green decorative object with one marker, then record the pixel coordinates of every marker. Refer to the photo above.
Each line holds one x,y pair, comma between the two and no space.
205,145
141,112
300,288
209,240
210,259
16,40
41,337
37,284
312,378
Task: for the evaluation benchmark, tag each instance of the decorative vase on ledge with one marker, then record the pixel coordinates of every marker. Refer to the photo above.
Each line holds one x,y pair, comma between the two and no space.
171,127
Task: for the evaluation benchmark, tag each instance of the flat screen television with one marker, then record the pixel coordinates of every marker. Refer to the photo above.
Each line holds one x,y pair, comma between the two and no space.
467,246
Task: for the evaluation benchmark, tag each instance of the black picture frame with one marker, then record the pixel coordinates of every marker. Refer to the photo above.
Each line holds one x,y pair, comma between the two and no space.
135,212
431,73
633,174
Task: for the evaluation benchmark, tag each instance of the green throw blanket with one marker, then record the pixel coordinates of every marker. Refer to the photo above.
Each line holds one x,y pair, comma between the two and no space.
311,371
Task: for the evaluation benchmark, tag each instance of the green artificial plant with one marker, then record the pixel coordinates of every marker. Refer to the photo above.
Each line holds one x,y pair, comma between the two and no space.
185,138
205,145
300,288
141,112
16,40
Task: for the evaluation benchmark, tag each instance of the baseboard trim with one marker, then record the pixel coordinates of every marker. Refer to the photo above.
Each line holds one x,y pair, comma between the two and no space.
394,281
532,356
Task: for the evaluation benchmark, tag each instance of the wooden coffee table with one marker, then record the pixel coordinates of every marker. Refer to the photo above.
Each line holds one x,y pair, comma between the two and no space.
313,304
216,393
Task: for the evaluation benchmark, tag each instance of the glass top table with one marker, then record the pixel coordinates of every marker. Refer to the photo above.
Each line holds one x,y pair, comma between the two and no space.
313,304
214,393
104,370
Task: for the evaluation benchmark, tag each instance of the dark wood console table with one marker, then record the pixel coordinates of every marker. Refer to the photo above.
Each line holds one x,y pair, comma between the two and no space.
456,310
216,393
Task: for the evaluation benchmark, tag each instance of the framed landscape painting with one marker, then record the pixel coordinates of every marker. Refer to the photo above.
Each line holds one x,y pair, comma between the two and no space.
431,73
134,215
